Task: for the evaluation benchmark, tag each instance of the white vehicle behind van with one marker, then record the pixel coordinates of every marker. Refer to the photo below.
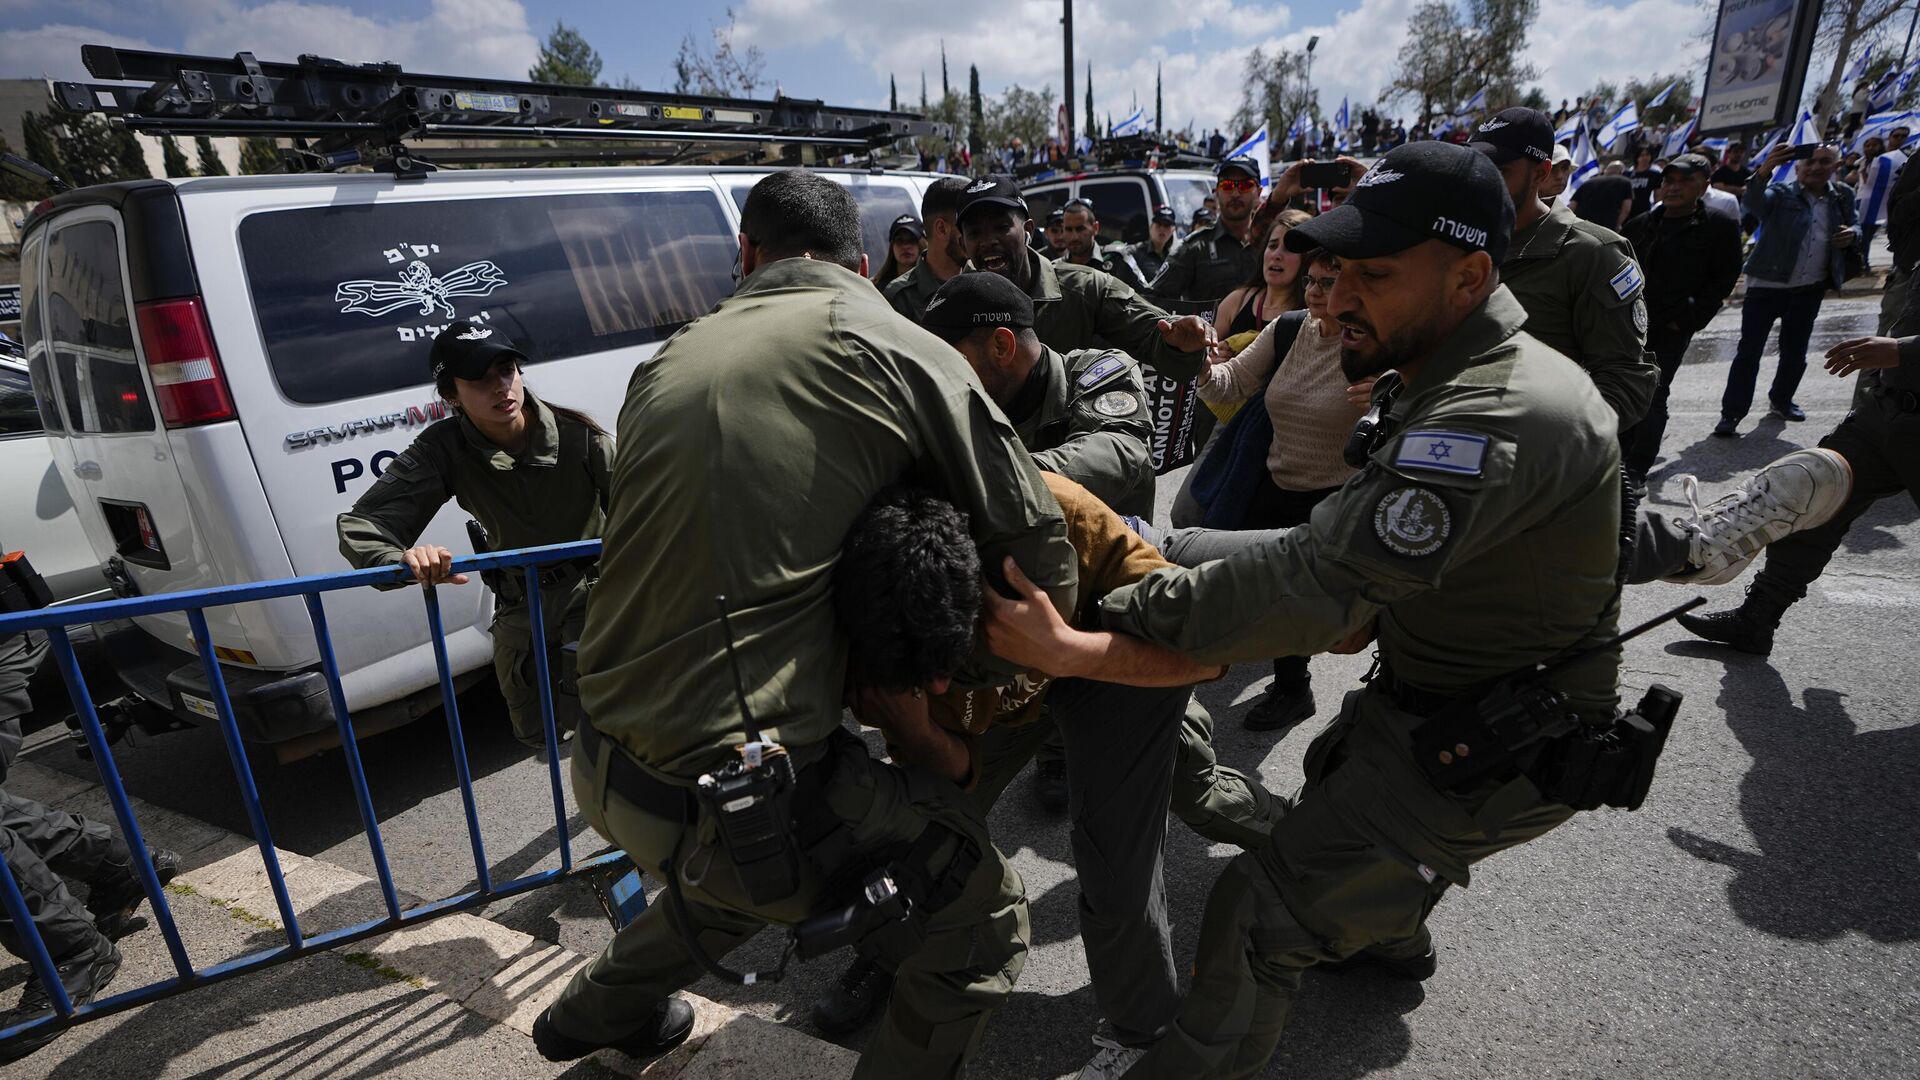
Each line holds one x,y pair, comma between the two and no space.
222,365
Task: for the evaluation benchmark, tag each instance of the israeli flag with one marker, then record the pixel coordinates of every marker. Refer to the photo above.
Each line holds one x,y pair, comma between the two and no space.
1905,80
1804,132
1884,92
1624,121
1661,98
1859,68
1130,125
1586,164
1876,183
1257,148
1677,142
1445,125
1719,146
1475,103
1569,130
1881,125
1344,123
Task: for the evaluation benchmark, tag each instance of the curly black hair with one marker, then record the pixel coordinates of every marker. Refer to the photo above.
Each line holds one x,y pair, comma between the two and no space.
907,589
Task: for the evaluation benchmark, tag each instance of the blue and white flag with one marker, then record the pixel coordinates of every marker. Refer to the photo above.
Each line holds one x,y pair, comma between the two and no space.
1859,69
1876,182
1718,146
1880,125
1804,133
1130,125
1569,128
1624,121
1257,148
1342,122
1677,142
1661,98
1884,91
1586,164
1440,129
1475,103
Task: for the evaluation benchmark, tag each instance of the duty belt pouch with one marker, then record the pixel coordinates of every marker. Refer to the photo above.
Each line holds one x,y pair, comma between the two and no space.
1610,764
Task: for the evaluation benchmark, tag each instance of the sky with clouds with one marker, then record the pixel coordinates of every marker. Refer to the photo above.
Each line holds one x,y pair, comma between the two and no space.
844,50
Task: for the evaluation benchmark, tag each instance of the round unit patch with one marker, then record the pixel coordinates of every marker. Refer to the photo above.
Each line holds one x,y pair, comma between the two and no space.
1412,521
1640,317
1116,403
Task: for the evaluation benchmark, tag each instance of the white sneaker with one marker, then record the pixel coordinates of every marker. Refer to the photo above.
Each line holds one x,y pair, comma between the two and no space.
1112,1061
1802,490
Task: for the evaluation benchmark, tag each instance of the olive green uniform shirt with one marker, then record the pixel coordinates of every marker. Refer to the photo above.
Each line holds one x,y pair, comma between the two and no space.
1092,425
1078,307
1584,295
749,445
1150,261
1209,264
910,292
553,492
1483,537
1115,259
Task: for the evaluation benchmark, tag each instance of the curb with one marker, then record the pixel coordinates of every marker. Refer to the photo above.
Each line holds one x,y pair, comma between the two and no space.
503,975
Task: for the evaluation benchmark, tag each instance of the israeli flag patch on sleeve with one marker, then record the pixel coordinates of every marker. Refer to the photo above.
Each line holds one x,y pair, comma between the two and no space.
1106,366
1442,451
1627,281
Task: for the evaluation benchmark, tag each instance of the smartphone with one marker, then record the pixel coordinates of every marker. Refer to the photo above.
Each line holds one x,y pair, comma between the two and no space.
1325,174
1802,153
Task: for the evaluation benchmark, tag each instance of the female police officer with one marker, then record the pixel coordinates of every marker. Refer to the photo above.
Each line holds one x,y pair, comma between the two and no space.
530,472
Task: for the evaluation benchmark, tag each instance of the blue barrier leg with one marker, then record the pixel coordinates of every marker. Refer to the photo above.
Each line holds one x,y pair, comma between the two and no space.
537,616
243,772
117,793
436,630
29,934
350,749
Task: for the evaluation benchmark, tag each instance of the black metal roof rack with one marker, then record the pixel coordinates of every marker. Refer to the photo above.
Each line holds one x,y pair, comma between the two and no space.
339,115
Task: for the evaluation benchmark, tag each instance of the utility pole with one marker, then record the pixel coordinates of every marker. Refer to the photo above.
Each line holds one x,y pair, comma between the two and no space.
1311,43
1066,21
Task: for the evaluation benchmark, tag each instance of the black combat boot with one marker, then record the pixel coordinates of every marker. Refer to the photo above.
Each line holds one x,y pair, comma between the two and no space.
672,1023
1748,628
1050,783
862,989
1281,708
113,904
84,974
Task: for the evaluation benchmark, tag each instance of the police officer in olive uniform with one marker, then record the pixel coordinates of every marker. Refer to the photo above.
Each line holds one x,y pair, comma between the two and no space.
1216,259
738,473
1075,307
1579,282
42,846
1081,232
1162,241
1477,541
531,473
946,254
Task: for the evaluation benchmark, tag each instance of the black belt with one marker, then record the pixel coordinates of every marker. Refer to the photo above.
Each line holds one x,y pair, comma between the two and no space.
1903,400
669,802
1408,697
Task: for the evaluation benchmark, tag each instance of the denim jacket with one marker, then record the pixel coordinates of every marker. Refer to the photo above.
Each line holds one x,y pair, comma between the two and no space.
1785,215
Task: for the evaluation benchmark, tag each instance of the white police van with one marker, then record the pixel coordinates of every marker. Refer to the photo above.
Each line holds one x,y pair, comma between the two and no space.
222,365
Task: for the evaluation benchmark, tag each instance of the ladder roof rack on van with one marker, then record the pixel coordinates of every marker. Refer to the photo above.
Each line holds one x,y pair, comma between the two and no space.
339,115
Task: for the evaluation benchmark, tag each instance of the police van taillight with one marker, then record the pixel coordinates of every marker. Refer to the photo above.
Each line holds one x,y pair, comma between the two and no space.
187,382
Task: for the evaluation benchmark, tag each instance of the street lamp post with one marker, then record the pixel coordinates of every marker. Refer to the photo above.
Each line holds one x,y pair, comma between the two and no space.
1311,43
1066,21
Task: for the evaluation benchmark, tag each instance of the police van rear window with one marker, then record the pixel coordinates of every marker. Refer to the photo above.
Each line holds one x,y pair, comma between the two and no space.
356,310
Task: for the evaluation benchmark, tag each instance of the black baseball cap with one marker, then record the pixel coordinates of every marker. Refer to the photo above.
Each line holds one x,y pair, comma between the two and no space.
1515,133
1163,214
1204,216
1420,191
1242,164
1690,163
909,223
1056,215
966,302
997,190
466,349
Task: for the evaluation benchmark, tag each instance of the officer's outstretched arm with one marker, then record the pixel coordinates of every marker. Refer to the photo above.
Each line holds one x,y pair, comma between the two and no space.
1028,631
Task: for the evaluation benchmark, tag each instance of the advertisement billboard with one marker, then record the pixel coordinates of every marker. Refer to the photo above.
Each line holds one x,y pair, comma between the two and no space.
1757,64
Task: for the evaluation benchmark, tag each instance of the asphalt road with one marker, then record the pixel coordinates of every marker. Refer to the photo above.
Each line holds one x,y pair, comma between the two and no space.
1757,918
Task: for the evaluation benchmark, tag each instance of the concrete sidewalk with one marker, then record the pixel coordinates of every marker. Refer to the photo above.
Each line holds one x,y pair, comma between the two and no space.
455,995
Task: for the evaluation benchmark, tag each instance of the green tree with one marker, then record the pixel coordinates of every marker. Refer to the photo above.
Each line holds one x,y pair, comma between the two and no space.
1273,92
1158,124
893,95
923,91
1537,99
207,158
17,188
1674,110
89,151
41,146
566,58
1453,51
172,158
717,69
1019,113
946,88
259,155
976,115
1092,130
1848,23
129,158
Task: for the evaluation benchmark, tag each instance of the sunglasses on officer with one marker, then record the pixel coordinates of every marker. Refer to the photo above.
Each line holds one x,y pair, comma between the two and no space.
1241,184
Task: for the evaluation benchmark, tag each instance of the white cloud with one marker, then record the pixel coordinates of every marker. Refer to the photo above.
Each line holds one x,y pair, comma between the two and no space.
457,37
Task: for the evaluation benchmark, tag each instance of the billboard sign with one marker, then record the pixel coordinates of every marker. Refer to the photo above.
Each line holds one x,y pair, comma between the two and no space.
1758,63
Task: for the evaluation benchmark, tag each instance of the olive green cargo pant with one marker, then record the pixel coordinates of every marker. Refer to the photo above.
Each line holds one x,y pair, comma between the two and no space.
1357,860
513,669
943,994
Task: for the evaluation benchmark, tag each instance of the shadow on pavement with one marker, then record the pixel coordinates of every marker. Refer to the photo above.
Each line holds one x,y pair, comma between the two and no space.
1831,809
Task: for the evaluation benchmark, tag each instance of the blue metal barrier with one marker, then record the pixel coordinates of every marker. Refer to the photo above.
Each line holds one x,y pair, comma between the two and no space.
55,622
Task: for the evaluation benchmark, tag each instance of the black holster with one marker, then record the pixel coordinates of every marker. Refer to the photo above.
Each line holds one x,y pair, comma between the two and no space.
1608,764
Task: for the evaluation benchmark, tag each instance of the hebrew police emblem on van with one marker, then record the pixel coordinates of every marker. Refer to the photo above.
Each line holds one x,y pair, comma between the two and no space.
417,286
